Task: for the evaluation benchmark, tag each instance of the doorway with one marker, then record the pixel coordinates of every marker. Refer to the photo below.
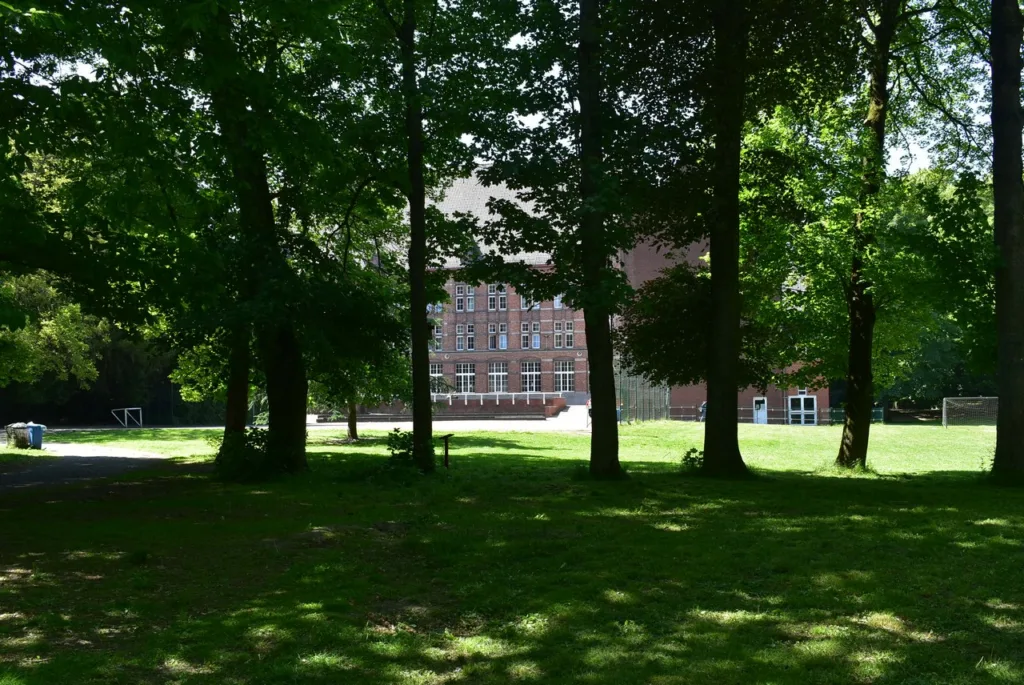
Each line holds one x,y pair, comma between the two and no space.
761,410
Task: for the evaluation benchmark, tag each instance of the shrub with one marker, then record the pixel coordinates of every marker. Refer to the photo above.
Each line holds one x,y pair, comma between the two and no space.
400,446
245,457
692,461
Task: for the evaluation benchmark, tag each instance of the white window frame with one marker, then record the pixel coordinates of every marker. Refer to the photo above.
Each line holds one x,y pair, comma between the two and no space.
492,298
465,377
524,341
471,300
802,416
558,341
497,377
529,377
557,303
460,343
436,370
503,341
470,337
536,341
565,376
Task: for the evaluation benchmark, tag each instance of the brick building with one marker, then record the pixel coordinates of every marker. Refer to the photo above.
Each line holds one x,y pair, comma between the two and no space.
802,406
489,340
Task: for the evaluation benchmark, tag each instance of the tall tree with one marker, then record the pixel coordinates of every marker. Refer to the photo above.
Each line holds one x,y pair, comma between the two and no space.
1006,37
593,244
728,93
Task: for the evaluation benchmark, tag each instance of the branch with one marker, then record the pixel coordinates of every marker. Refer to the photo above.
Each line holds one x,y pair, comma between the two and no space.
383,5
351,206
937,105
919,11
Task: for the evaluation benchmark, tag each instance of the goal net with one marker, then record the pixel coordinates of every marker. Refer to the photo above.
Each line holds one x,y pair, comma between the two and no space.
969,411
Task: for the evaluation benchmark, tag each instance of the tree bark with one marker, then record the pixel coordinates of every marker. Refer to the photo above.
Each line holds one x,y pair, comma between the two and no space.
721,440
287,396
279,347
604,439
1009,235
860,304
239,361
422,422
353,422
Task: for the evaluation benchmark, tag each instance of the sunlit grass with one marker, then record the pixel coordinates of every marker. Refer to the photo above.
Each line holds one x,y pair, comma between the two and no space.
508,568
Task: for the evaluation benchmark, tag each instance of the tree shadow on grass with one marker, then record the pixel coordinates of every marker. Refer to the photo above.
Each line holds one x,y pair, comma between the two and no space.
494,575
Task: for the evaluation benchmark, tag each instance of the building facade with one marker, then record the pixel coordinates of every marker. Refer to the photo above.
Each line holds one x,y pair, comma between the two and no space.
490,339
776,405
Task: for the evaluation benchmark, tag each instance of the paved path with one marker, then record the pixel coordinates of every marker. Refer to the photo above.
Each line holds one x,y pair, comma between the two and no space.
77,463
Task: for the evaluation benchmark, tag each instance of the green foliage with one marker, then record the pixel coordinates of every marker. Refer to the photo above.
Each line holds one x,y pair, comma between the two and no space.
400,447
245,458
692,461
53,337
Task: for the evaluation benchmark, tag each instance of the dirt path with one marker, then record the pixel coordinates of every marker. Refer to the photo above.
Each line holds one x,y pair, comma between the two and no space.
76,463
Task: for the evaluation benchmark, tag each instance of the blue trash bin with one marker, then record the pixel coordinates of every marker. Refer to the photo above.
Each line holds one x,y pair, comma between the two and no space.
35,435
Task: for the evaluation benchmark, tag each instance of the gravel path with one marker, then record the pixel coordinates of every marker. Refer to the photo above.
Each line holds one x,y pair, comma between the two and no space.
77,463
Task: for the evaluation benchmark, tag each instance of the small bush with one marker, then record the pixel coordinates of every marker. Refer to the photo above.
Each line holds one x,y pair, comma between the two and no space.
692,461
245,457
400,446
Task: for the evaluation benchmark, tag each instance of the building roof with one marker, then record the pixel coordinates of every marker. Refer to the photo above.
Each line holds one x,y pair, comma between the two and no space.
470,196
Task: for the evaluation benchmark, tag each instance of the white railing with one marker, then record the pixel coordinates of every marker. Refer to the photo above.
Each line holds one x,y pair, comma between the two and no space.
480,397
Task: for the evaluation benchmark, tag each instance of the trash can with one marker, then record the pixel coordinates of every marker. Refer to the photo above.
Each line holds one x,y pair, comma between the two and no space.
35,435
18,435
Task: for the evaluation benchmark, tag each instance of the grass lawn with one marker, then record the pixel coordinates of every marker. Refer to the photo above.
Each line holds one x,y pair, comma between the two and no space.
512,569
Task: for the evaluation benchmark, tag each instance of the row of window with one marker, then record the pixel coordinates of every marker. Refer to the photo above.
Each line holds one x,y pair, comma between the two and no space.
497,376
497,300
497,336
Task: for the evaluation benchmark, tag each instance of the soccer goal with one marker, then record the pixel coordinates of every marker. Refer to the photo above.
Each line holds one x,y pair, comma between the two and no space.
969,411
128,415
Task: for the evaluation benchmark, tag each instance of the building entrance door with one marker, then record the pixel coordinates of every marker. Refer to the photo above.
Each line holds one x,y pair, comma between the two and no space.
760,410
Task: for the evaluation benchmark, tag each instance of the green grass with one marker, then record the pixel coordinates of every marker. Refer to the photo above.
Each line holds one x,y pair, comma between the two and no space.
12,457
511,569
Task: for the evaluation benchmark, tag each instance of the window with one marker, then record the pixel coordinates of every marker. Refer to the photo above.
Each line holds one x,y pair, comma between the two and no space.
536,341
503,328
558,327
436,371
502,336
438,337
803,410
536,326
527,303
492,298
460,301
529,376
470,337
465,378
492,339
558,341
439,307
565,376
460,343
558,302
502,300
497,377
525,340
460,329
569,337
471,299
460,290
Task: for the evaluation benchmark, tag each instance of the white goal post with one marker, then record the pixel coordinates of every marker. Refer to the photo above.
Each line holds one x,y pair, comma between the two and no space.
969,411
126,415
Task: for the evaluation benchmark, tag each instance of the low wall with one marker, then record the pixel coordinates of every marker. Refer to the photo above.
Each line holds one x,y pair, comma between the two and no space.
460,408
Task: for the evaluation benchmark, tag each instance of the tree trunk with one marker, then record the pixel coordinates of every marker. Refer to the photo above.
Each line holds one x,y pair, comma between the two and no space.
287,396
721,441
860,304
279,347
239,361
1009,235
353,422
604,439
422,426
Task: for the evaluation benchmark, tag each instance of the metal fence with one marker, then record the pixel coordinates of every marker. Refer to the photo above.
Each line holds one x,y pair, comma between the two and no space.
776,417
639,399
